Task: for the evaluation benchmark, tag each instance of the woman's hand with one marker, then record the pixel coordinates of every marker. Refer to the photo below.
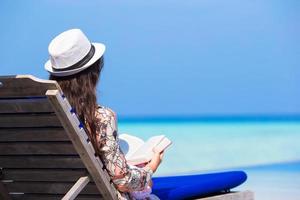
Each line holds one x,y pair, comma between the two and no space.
156,160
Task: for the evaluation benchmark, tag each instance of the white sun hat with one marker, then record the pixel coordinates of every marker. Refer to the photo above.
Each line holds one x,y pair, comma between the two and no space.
71,52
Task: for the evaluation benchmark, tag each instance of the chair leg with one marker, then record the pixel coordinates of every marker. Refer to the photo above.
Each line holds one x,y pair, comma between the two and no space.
3,192
76,188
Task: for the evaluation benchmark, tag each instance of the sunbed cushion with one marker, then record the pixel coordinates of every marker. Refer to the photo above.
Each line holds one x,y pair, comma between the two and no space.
188,186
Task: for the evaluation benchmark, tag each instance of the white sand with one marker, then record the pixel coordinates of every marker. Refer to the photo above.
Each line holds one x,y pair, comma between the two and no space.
279,184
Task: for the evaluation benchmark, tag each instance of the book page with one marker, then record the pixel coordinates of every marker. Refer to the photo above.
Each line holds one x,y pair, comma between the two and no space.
129,144
145,152
164,143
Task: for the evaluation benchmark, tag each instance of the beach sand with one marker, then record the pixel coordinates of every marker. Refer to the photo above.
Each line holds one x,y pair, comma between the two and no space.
274,182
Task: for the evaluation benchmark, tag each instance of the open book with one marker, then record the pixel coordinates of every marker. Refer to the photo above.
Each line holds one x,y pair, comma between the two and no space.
137,151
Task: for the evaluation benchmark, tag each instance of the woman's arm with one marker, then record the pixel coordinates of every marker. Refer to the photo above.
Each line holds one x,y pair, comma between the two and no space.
125,177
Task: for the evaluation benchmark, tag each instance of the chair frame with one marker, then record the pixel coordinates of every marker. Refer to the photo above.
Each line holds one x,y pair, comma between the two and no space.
30,86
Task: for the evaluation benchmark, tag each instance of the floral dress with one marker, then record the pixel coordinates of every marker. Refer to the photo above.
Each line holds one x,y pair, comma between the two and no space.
123,176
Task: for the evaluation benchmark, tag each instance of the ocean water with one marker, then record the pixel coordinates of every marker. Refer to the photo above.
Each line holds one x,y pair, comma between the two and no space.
202,146
268,151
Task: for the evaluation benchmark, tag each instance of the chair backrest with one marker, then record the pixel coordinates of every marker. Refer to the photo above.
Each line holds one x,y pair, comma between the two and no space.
44,149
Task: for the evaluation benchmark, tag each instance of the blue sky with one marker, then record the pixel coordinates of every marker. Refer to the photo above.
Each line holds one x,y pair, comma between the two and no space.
170,58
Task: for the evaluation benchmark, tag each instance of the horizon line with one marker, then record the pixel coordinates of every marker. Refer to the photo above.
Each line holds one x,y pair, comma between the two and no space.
211,118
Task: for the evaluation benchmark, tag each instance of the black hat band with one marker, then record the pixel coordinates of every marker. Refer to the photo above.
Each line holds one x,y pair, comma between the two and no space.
81,62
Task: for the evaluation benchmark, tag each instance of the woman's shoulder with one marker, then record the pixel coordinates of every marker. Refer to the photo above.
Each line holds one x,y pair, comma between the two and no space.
104,110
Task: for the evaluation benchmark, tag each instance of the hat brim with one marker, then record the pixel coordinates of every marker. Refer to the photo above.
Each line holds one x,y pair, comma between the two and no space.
99,51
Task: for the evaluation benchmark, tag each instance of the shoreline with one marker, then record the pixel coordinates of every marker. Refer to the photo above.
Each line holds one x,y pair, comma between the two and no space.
212,119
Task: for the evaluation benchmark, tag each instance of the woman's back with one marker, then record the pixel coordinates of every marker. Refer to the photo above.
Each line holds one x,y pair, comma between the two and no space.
127,178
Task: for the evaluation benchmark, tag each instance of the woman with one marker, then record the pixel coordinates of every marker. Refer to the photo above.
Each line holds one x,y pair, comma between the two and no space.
76,65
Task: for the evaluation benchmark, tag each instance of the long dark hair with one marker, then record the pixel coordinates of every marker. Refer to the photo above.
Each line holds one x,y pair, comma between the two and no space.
80,90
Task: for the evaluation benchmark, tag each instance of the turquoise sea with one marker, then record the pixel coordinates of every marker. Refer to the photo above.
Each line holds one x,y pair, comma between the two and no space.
268,151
